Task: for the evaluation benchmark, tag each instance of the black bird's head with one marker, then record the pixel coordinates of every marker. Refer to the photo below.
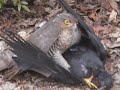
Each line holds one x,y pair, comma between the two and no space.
80,71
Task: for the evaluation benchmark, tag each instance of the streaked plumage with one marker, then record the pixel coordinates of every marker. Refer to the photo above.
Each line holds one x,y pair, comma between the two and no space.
56,36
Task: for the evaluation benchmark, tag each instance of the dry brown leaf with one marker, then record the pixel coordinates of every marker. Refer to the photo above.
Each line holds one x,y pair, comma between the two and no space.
113,16
113,4
86,9
105,29
94,16
51,3
54,12
108,4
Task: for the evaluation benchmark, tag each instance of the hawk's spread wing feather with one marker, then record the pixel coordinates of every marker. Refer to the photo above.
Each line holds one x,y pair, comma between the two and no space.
29,57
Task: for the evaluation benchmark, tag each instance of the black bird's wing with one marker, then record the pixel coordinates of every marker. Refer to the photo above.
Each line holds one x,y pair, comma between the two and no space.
32,58
87,31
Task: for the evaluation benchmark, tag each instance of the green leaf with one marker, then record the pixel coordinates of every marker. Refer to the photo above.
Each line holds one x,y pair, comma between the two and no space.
5,1
0,5
15,2
19,6
25,8
24,2
2,2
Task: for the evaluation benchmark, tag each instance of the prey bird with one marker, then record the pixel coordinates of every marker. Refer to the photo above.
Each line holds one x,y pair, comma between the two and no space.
83,59
29,57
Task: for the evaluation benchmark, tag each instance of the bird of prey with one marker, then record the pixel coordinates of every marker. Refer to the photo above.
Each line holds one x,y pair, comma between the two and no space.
56,36
53,39
88,37
87,33
63,31
60,33
29,57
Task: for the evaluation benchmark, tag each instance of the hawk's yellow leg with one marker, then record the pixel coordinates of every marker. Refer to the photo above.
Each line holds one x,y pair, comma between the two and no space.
89,83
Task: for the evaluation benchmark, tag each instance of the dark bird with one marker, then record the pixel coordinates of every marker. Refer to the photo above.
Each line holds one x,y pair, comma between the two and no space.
87,33
83,59
84,63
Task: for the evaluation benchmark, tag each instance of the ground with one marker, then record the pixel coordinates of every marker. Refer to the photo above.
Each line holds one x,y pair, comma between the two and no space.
102,17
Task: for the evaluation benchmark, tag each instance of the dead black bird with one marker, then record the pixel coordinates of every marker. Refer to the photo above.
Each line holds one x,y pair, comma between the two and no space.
87,33
30,57
86,59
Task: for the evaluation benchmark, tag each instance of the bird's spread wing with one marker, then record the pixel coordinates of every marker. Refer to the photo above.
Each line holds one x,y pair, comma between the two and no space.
32,58
86,30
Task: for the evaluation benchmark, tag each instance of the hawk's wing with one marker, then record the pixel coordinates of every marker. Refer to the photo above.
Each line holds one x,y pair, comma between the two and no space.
32,58
45,36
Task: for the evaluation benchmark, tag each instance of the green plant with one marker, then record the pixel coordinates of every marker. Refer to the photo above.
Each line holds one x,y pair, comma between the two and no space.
21,5
2,2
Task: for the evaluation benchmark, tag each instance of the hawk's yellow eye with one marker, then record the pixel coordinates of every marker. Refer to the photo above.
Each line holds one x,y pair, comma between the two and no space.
67,22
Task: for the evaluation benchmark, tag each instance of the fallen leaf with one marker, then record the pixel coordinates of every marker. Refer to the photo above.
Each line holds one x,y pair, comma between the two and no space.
86,9
113,16
113,4
93,16
118,39
108,4
54,12
24,35
105,29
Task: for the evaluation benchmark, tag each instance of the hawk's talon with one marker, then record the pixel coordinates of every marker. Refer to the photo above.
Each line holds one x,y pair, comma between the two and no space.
89,83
